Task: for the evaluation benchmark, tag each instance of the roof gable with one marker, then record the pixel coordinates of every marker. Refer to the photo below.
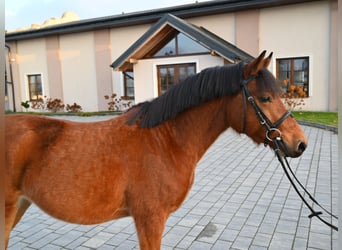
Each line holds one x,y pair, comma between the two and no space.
164,30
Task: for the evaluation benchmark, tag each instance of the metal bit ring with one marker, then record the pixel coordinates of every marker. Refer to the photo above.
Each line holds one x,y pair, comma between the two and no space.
270,131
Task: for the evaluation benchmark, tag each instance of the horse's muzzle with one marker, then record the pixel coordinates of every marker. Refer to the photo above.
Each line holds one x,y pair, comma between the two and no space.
293,152
301,147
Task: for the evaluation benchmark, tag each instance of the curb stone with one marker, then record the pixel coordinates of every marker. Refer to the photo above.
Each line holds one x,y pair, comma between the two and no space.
318,125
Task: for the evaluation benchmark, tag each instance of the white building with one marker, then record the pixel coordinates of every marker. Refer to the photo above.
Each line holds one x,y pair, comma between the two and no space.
153,49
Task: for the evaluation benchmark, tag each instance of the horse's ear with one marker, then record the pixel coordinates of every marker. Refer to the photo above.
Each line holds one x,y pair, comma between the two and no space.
268,60
257,64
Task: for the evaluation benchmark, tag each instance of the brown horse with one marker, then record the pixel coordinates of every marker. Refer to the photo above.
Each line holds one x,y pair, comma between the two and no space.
142,163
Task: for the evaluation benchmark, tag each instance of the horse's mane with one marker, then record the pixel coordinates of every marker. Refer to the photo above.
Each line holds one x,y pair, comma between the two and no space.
205,86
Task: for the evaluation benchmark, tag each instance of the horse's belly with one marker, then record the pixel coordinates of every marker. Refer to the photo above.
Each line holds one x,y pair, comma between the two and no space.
93,215
81,211
86,197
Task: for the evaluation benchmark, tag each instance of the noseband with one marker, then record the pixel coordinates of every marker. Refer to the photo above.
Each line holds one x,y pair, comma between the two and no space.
263,119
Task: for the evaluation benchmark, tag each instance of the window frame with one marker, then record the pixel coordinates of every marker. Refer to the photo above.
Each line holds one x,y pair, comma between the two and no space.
124,75
28,77
292,72
176,66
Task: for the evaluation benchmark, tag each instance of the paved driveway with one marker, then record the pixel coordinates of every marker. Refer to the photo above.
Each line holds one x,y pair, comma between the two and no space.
240,200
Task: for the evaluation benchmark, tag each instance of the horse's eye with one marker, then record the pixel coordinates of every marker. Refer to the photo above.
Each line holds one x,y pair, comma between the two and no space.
265,99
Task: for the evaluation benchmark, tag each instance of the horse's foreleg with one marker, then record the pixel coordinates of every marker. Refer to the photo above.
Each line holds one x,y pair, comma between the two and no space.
150,230
23,205
13,214
10,211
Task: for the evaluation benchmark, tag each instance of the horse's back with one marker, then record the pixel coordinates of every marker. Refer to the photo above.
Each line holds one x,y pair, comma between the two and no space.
25,137
18,125
28,131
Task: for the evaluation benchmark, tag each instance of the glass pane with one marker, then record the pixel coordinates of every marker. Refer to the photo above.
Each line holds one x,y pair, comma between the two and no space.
188,46
39,79
166,78
284,70
130,91
300,64
168,50
129,79
129,83
170,77
284,65
298,77
185,72
284,75
31,79
6,94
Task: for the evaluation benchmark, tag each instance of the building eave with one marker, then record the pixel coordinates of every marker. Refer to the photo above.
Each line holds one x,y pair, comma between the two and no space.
150,16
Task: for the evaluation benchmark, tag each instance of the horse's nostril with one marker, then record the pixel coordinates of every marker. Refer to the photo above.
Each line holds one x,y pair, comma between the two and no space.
301,147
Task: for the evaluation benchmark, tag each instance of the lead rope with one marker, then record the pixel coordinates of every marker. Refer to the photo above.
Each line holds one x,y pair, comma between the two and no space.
314,213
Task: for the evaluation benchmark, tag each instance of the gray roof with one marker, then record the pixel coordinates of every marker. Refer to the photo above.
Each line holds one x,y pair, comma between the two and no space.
199,34
150,16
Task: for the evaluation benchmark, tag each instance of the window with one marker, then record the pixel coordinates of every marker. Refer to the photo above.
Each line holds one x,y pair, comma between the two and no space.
35,87
129,84
6,94
293,73
169,75
181,45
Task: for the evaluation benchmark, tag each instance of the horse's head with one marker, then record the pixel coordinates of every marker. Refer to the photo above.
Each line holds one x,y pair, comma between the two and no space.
265,117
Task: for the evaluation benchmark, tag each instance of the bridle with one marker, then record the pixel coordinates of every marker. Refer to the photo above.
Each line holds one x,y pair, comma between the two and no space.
278,146
263,119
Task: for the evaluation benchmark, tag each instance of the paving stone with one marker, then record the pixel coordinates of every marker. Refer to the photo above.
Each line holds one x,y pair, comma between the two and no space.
42,242
262,240
175,235
221,245
67,239
97,240
186,242
319,241
282,241
229,235
77,242
300,243
198,245
242,243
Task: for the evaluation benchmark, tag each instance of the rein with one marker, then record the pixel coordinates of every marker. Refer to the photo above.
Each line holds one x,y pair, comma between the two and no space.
279,146
313,212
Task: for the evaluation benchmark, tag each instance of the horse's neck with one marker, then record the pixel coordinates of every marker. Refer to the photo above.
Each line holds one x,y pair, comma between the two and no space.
199,127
